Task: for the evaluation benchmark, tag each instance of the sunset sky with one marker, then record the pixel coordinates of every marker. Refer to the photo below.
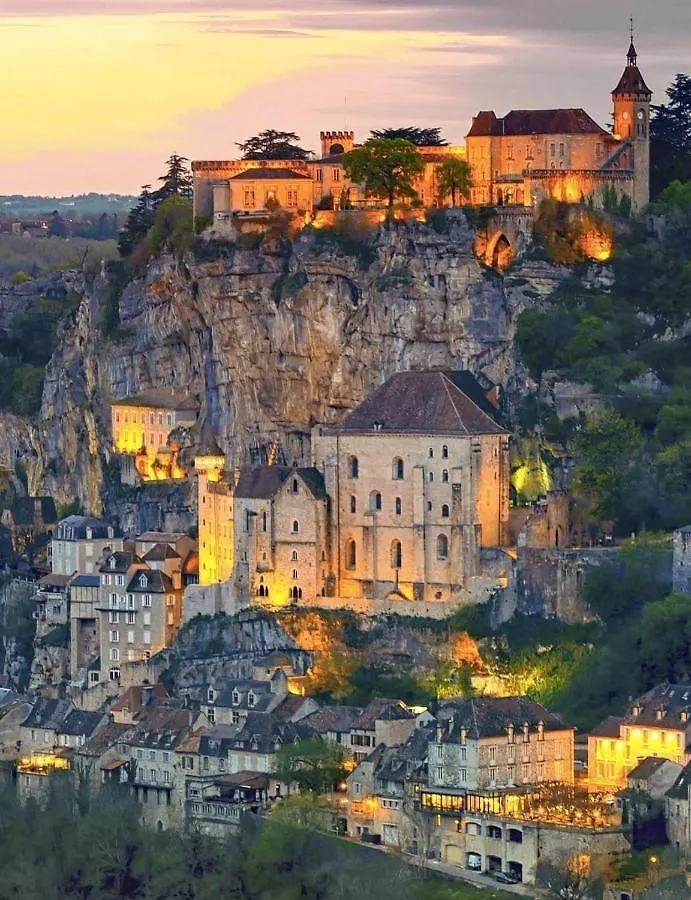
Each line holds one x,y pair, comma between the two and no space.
99,92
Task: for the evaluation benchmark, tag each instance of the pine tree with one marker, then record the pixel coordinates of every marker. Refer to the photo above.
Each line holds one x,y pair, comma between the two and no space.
177,182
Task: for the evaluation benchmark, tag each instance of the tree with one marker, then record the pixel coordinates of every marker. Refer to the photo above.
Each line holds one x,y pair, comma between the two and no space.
177,181
58,226
421,137
386,168
313,765
139,221
172,226
670,136
570,880
539,336
271,144
455,179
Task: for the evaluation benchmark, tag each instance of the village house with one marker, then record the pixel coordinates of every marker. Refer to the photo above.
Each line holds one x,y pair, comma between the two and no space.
678,811
84,591
51,601
78,545
53,724
387,722
656,724
233,704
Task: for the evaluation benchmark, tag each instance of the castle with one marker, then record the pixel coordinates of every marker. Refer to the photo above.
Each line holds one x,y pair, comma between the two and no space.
518,160
398,502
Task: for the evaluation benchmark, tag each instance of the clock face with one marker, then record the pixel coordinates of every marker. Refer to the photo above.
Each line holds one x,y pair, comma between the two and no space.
640,113
626,117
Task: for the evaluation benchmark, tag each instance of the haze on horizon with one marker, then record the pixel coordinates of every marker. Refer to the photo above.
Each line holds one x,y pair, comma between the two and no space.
104,90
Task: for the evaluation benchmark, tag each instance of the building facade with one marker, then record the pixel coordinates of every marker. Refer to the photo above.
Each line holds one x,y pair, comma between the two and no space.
79,543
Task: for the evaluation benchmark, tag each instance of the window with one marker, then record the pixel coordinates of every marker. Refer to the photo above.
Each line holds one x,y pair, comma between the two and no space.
351,554
561,149
294,488
131,617
147,600
464,774
113,618
294,556
445,511
337,174
445,476
444,452
264,521
440,773
147,637
147,618
510,774
115,655
526,773
375,501
114,637
540,771
292,198
398,469
396,555
296,526
398,506
249,198
130,601
431,452
492,775
440,751
492,754
295,574
353,504
120,580
130,637
442,547
114,674
353,467
552,149
431,476
319,175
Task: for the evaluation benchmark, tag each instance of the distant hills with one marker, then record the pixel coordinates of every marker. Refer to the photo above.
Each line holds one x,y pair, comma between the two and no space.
75,207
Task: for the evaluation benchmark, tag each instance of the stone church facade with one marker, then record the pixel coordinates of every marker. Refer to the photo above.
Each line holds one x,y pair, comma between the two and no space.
399,501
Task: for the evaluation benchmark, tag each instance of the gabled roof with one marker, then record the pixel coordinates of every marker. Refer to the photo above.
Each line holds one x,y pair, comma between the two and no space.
104,738
78,525
382,709
526,122
680,788
262,173
646,767
333,719
264,482
422,403
80,722
119,561
160,398
161,552
260,690
608,728
48,714
150,581
491,716
662,707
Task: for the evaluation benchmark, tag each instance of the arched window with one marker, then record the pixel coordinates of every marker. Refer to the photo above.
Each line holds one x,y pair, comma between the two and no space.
353,467
115,654
442,547
445,475
264,521
375,500
294,556
445,511
431,476
396,555
295,574
398,506
294,487
431,453
398,469
444,452
351,555
296,526
353,504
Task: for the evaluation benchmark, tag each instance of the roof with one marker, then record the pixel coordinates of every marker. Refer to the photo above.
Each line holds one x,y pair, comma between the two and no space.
382,709
76,527
484,717
680,788
104,738
264,482
54,580
400,763
524,122
191,564
150,581
135,698
662,707
25,510
333,718
646,767
261,691
160,537
160,398
48,714
423,403
92,581
161,552
608,728
119,561
631,81
160,727
80,722
263,173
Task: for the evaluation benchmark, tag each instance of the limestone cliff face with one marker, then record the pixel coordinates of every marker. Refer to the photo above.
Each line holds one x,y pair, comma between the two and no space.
272,340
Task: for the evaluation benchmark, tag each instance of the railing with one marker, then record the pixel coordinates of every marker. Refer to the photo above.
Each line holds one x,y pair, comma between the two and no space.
221,810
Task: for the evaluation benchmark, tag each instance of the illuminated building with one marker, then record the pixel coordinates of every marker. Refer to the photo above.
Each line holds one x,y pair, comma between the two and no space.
144,434
656,724
215,508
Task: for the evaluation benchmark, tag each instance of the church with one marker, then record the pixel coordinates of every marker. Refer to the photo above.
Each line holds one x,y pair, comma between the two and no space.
519,159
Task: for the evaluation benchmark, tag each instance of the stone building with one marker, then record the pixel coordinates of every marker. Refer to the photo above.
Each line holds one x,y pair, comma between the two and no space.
656,724
84,632
78,545
144,427
681,564
399,501
27,519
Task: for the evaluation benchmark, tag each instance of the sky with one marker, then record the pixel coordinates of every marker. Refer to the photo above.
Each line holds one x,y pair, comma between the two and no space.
98,93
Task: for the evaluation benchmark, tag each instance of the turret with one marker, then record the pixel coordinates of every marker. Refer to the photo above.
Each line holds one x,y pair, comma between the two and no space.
334,143
631,99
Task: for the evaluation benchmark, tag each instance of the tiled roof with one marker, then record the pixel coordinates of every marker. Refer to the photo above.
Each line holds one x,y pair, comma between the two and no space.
680,788
160,398
421,403
80,722
490,717
525,122
139,696
646,767
333,718
382,709
608,728
161,552
631,82
264,482
156,582
267,174
54,580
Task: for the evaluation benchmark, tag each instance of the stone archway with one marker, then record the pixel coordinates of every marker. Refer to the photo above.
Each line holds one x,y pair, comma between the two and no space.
499,251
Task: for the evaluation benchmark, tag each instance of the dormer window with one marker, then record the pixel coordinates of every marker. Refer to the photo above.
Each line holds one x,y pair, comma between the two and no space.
540,731
236,698
684,715
526,733
251,699
636,709
89,534
660,713
112,562
211,694
143,581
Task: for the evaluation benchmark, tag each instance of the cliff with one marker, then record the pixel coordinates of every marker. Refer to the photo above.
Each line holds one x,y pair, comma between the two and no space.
273,339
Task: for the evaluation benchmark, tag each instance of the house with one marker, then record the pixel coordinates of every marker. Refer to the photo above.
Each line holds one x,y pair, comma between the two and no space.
38,732
655,724
654,776
51,600
335,723
77,727
383,721
78,545
84,594
233,704
678,811
136,700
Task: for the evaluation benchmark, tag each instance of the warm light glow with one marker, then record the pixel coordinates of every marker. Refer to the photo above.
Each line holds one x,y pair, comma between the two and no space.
42,764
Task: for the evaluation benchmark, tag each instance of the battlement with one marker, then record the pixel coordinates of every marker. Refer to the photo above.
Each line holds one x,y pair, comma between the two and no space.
335,143
337,135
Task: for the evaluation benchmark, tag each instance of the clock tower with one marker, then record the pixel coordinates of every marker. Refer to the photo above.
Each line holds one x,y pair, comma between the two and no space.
631,99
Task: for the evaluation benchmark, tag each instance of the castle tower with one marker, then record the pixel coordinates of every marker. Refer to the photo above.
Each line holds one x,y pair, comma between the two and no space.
334,143
631,99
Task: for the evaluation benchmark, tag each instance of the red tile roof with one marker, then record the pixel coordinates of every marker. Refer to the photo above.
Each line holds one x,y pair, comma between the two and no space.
524,122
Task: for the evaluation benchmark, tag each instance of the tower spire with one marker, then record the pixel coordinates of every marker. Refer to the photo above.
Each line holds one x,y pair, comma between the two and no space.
631,56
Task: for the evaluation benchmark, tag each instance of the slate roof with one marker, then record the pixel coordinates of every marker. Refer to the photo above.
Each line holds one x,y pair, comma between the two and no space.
680,788
261,690
24,512
48,714
484,717
670,699
104,738
261,733
381,709
646,768
159,728
408,760
123,560
264,173
264,482
422,403
525,122
79,524
161,552
333,718
631,81
156,582
92,581
80,722
608,728
160,398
